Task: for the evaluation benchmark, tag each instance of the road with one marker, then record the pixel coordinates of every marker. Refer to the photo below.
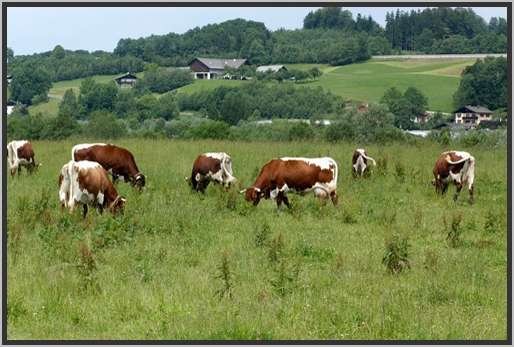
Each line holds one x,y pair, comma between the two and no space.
439,56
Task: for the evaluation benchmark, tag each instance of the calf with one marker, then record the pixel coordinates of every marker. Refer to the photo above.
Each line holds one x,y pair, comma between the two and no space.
208,167
116,160
301,175
457,167
360,162
86,182
20,153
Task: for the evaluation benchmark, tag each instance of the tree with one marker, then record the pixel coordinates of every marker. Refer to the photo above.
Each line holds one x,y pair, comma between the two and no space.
69,105
30,80
484,83
97,96
58,52
418,102
104,125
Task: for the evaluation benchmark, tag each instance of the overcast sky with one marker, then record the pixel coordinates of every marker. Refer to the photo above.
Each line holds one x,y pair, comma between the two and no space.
31,30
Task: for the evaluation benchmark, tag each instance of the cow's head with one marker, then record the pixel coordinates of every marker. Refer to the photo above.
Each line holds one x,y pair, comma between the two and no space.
33,167
117,205
229,181
439,184
139,181
253,194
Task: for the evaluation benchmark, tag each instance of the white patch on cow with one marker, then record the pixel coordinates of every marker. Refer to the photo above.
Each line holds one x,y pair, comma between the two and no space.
86,164
82,146
70,186
198,177
224,175
467,174
359,165
324,163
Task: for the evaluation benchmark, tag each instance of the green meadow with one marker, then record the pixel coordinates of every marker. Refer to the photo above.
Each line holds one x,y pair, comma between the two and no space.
182,265
363,82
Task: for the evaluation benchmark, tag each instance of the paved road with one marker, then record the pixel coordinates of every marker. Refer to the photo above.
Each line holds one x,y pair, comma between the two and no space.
438,56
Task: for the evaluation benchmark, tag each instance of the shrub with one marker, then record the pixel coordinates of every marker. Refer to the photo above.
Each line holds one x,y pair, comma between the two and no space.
104,125
396,256
300,131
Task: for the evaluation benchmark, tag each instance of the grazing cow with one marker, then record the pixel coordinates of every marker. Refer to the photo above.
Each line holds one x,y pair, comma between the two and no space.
360,162
20,153
86,182
208,167
457,167
116,160
301,175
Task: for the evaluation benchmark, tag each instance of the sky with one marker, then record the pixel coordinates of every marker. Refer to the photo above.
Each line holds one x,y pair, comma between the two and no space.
31,30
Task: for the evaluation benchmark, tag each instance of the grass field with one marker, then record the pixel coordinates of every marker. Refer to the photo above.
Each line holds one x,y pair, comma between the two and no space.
180,265
438,80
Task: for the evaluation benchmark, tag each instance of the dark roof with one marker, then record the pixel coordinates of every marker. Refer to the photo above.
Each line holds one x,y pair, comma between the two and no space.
9,76
127,75
474,109
11,103
490,124
214,63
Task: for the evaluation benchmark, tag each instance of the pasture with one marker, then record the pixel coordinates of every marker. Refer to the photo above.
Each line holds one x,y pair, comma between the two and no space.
181,265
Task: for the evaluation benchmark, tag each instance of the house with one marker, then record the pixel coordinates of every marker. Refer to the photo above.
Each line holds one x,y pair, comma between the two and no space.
10,106
127,80
211,68
422,118
271,68
472,115
9,79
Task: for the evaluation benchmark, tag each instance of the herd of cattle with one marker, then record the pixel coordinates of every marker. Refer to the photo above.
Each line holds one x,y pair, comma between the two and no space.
84,179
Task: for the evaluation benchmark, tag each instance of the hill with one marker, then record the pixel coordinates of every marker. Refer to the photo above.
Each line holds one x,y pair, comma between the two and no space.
363,82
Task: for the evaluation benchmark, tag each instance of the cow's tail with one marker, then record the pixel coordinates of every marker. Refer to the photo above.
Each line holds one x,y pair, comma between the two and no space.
73,152
336,170
458,161
470,172
371,159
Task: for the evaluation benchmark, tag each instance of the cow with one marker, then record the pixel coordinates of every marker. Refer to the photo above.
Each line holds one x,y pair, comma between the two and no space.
20,153
301,175
457,167
360,162
116,160
87,183
216,166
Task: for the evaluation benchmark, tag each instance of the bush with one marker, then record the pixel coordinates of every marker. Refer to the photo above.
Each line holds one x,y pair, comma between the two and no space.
161,80
300,131
208,129
103,124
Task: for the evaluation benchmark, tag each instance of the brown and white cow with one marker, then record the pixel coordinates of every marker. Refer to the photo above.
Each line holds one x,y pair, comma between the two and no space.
116,160
87,183
216,166
360,162
301,175
20,153
457,167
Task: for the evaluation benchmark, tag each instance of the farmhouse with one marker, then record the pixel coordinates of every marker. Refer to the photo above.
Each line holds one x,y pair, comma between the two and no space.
472,115
271,68
10,106
211,68
127,80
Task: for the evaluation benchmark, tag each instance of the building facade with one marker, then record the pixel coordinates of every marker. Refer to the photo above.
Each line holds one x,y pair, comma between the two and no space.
211,68
127,80
472,115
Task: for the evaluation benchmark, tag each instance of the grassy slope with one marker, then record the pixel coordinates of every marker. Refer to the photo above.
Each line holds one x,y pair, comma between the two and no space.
437,79
156,270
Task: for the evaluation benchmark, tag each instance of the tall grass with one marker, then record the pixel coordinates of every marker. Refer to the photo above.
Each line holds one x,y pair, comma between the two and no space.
181,265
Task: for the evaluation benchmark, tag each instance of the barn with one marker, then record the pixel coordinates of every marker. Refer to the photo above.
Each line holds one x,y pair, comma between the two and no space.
271,68
211,68
127,80
472,115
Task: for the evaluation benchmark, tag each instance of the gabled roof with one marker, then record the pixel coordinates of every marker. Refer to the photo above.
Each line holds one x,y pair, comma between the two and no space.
127,75
272,68
474,109
214,63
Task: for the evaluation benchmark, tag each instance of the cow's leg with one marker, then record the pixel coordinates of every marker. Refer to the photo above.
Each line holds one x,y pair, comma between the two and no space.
471,198
84,210
334,198
279,199
19,170
286,200
13,171
457,191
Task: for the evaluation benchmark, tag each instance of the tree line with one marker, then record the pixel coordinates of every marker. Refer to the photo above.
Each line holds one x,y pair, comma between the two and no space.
445,30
